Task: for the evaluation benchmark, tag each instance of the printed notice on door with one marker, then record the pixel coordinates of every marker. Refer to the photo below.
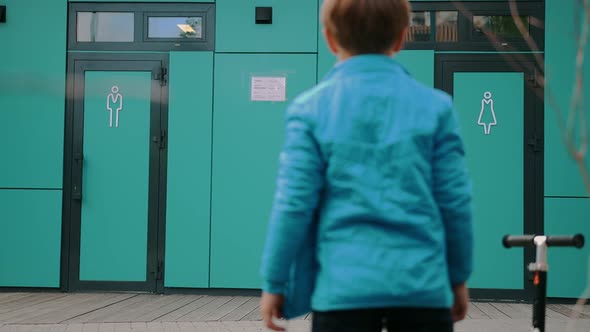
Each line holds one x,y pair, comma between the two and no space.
268,88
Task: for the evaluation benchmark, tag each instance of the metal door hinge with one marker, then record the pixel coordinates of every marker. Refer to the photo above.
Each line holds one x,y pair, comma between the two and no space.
160,140
76,193
163,137
160,271
161,76
532,77
535,143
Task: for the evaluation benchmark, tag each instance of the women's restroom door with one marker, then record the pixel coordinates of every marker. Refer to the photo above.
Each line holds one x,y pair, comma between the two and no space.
117,170
501,118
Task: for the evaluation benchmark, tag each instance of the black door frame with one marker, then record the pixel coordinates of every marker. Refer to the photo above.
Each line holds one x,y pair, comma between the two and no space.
533,155
157,64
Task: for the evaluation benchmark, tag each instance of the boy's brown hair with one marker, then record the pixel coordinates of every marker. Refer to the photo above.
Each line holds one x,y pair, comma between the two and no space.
366,26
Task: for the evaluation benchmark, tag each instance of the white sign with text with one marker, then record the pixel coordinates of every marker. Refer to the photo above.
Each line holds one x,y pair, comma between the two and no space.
268,88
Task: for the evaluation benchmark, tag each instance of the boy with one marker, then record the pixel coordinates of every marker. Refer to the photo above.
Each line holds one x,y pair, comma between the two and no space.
374,161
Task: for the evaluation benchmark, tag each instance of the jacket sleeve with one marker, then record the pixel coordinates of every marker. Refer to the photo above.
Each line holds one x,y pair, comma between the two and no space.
452,192
300,181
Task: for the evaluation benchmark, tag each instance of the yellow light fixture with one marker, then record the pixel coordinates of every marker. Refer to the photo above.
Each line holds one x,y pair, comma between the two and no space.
186,28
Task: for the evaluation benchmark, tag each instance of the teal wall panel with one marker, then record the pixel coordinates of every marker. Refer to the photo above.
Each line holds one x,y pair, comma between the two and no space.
456,0
189,169
30,239
113,239
420,64
142,1
247,137
562,174
32,93
293,29
326,59
569,269
495,161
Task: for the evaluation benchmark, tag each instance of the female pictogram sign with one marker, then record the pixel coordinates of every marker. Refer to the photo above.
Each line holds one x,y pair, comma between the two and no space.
487,115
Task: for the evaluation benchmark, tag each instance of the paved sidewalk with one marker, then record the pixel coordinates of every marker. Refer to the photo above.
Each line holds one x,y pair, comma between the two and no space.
113,312
470,325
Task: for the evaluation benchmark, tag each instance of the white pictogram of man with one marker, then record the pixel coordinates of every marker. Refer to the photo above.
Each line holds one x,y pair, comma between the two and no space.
114,101
487,119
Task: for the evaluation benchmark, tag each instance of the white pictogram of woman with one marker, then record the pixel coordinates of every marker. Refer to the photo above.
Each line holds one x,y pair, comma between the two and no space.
487,119
114,101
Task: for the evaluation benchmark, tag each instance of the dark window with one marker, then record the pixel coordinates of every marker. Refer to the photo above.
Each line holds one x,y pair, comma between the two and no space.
420,27
117,26
447,29
475,26
502,26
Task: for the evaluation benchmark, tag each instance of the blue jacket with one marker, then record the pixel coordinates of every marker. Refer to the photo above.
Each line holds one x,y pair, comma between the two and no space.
373,170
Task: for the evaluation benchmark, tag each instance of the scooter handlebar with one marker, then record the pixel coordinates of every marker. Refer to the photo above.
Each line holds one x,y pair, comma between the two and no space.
518,241
566,241
552,241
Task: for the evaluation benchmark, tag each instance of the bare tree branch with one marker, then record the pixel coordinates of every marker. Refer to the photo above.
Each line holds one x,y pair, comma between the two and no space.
577,149
575,109
525,34
515,59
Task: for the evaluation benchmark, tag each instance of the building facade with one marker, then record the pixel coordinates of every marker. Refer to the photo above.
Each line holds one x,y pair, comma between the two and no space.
140,138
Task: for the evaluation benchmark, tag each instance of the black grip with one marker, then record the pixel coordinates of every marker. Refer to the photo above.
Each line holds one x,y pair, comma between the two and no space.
518,241
566,241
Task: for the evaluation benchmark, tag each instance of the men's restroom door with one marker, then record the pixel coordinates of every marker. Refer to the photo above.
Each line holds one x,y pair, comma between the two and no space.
117,175
501,119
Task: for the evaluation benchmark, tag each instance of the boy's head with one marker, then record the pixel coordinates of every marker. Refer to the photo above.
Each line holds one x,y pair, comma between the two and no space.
354,27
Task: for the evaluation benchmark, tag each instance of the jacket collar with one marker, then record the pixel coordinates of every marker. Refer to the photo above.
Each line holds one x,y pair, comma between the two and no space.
366,63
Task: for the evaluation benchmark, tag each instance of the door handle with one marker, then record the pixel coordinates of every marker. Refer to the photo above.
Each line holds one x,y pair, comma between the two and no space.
76,191
160,140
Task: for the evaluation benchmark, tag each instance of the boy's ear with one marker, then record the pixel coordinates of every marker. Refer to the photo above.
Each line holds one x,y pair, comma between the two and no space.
397,46
330,40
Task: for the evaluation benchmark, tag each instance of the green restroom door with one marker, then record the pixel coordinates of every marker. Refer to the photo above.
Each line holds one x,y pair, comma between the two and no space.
502,129
117,172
